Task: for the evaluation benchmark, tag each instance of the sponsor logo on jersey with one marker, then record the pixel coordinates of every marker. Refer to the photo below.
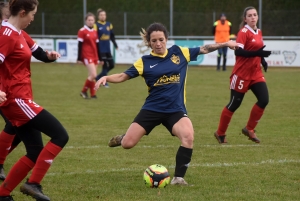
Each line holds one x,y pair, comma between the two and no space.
22,46
173,79
253,40
175,59
152,66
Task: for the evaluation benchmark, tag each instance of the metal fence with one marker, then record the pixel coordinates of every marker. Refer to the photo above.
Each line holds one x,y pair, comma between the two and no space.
274,23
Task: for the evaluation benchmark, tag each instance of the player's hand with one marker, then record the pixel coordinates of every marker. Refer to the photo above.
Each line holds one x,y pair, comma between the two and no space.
53,55
101,63
100,82
2,96
232,45
263,53
264,64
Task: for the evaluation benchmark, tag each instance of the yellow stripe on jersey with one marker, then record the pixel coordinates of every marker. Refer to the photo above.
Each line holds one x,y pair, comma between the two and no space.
139,65
95,27
186,53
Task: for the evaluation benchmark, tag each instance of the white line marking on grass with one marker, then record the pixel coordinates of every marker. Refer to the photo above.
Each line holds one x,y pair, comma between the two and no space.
175,146
212,165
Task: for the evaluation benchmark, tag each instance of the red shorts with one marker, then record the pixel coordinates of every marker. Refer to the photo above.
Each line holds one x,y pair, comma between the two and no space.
87,61
20,111
242,86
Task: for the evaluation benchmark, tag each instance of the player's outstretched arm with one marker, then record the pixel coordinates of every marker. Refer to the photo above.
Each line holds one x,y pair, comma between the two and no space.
114,78
212,47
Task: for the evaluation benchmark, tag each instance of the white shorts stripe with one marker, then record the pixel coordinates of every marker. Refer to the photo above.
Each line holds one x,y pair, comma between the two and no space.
26,109
2,57
233,81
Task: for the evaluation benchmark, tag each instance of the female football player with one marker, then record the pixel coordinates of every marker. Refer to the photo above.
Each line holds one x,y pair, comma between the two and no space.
89,53
105,34
28,118
247,74
164,71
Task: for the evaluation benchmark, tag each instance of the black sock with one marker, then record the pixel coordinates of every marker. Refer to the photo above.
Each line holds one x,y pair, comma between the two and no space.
1,166
183,158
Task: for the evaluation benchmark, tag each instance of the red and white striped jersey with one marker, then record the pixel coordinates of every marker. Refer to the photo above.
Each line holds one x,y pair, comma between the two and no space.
88,37
15,56
248,68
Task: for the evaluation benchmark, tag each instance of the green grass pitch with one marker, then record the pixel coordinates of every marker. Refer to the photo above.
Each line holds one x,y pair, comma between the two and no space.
88,170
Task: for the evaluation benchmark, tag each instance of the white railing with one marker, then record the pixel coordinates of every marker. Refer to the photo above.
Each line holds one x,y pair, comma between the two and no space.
171,37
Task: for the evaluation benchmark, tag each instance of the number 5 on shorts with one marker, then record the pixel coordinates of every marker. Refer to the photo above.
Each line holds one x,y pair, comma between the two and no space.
241,85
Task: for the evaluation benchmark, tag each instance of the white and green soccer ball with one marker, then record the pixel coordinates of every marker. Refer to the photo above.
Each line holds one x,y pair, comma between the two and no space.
156,176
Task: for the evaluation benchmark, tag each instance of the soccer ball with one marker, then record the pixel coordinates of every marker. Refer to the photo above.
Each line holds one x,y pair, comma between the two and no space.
156,176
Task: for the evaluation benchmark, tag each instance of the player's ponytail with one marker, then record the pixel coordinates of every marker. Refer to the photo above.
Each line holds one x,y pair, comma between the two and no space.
242,24
143,34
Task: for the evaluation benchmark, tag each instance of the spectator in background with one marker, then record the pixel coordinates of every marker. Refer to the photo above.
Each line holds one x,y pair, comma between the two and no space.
222,32
89,53
105,34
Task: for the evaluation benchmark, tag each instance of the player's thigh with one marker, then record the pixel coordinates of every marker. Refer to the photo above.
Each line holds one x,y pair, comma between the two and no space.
92,70
184,130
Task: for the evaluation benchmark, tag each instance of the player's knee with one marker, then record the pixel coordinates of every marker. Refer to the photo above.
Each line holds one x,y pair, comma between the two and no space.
33,152
188,138
126,144
61,139
263,102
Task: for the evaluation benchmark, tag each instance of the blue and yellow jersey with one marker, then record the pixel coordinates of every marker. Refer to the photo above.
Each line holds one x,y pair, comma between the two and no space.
165,75
105,34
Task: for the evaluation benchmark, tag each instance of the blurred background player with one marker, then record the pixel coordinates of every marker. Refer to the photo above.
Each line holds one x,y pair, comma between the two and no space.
170,111
105,34
89,53
222,32
28,118
247,74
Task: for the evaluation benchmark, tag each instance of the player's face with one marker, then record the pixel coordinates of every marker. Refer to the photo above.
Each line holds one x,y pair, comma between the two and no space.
102,16
27,18
251,18
90,21
158,42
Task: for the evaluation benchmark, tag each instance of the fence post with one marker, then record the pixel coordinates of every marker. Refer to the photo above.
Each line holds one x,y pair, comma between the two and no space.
125,23
260,14
171,17
43,23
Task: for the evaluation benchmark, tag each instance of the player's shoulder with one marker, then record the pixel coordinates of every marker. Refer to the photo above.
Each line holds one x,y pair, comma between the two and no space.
8,31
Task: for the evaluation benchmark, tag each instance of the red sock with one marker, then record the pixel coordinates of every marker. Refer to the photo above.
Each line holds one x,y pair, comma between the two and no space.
86,86
44,162
92,88
5,143
224,121
17,173
255,115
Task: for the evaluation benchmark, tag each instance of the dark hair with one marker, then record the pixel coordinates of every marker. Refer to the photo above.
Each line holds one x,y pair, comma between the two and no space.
100,10
2,5
15,6
89,14
156,26
244,15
